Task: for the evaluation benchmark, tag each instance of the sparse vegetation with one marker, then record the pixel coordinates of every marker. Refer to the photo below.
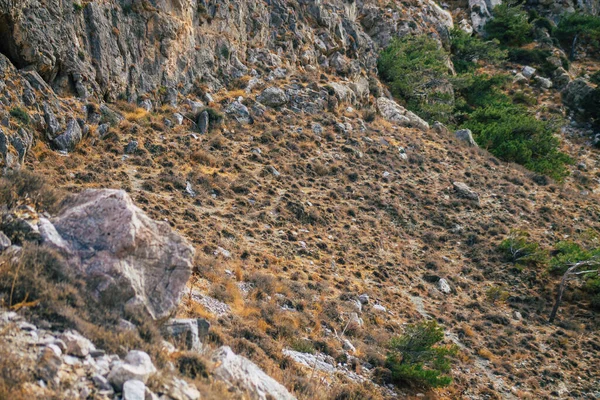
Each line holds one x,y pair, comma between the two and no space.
473,101
21,115
576,28
417,359
469,51
510,25
519,249
416,70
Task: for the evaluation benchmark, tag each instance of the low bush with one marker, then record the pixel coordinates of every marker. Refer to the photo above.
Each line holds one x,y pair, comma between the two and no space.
416,70
537,58
577,28
21,115
468,51
510,133
416,359
510,25
519,249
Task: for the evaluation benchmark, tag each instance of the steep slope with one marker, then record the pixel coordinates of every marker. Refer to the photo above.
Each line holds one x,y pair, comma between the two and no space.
256,130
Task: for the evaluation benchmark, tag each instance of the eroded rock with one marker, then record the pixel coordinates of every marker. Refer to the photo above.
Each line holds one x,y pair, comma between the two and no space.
142,263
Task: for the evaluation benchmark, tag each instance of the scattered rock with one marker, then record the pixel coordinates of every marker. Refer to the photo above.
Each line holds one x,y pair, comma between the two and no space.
76,345
444,286
134,390
465,191
70,138
203,122
4,242
241,372
395,113
528,72
137,365
273,97
466,136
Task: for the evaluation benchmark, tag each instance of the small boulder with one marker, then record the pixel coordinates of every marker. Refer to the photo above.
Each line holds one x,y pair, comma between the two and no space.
465,191
203,122
395,113
440,128
243,373
348,346
137,365
184,332
134,390
239,111
364,298
4,242
542,82
466,136
444,286
52,124
76,345
272,97
528,72
70,138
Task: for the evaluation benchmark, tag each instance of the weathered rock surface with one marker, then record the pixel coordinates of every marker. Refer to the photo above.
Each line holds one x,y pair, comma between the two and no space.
137,365
239,371
142,263
395,113
272,97
466,136
465,191
70,138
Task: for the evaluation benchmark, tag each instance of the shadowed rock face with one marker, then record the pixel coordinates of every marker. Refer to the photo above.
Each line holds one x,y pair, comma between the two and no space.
130,260
126,48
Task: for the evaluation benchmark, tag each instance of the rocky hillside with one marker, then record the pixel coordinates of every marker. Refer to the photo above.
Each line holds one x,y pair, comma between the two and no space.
221,199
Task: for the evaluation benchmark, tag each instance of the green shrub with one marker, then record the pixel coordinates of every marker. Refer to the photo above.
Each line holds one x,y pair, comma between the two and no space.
567,253
416,70
510,133
518,248
595,78
303,346
510,26
468,50
496,293
534,57
414,358
20,114
584,27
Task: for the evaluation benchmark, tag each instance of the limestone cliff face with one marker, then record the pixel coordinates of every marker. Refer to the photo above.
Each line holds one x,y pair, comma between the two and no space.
113,48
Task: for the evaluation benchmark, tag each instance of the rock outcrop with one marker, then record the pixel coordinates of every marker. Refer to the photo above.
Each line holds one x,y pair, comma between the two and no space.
143,264
239,371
